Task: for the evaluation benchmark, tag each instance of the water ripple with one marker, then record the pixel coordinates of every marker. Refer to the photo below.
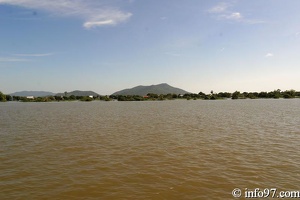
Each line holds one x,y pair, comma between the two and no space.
147,150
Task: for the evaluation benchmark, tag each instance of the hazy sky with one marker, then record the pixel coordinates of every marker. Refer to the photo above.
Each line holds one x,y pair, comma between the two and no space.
109,45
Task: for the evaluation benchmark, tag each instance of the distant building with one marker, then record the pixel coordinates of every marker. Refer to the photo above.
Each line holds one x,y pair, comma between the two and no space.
91,96
30,97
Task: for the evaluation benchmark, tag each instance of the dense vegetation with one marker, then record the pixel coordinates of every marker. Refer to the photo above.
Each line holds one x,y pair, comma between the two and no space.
53,98
77,93
276,94
2,97
33,93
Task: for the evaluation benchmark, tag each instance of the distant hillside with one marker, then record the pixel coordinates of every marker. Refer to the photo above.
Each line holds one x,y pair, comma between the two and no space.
32,93
79,93
156,89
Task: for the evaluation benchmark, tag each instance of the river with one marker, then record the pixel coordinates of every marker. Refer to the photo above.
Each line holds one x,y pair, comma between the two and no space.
148,150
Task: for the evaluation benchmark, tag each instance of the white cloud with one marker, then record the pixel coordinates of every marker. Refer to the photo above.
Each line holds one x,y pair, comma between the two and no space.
268,55
16,57
8,59
222,12
234,16
98,23
220,8
95,13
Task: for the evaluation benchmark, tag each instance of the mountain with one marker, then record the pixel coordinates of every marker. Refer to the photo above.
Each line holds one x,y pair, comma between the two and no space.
79,93
163,88
32,93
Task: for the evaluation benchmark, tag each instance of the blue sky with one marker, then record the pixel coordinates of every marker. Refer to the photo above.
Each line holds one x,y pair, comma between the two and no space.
109,45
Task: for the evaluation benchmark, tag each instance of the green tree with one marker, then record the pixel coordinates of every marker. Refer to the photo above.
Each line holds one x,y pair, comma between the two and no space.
168,96
58,98
213,97
224,95
121,98
292,93
251,95
86,98
289,94
51,98
111,97
72,97
201,95
39,99
263,95
152,95
235,95
161,97
2,97
9,98
276,94
16,98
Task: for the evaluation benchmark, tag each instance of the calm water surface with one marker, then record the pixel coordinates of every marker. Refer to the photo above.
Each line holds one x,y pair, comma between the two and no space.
148,150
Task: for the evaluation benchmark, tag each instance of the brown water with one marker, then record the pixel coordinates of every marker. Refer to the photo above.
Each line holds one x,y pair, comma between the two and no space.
148,150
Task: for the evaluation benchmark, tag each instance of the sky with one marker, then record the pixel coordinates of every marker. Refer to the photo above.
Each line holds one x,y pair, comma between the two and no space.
109,45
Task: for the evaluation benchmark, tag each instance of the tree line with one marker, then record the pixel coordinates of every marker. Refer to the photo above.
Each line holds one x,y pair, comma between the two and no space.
4,97
276,94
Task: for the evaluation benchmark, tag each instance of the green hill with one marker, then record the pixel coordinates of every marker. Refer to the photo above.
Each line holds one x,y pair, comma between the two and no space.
79,93
155,89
